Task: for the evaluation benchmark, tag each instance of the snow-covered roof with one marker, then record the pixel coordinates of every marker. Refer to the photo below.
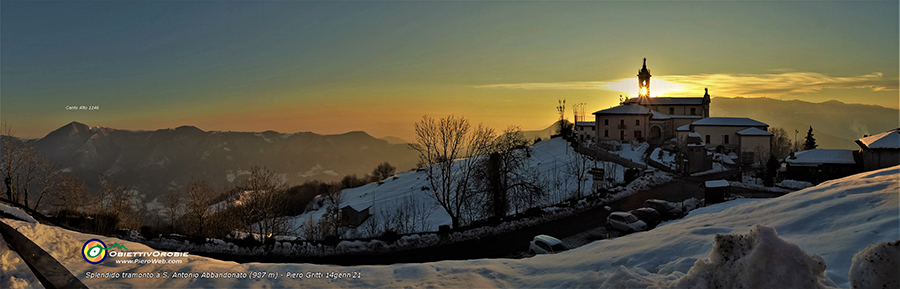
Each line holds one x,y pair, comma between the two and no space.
584,123
686,127
659,115
886,140
667,100
693,134
754,132
625,109
716,184
821,156
729,121
685,116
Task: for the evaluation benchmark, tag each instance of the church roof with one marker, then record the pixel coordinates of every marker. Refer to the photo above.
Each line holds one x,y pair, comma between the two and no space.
667,101
728,121
625,109
659,115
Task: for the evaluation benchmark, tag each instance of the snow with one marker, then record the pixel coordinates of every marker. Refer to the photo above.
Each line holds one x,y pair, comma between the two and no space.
754,132
633,151
729,121
14,273
716,184
550,159
717,168
668,158
16,212
625,109
793,184
876,266
821,156
686,127
659,115
774,244
694,134
886,140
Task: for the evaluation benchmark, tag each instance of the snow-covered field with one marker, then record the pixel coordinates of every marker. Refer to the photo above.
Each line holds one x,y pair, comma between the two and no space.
805,237
550,158
664,157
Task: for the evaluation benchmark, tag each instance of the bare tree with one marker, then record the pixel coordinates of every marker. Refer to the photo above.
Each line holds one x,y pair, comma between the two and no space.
449,148
262,201
781,143
504,173
172,205
200,197
383,171
13,161
579,166
70,193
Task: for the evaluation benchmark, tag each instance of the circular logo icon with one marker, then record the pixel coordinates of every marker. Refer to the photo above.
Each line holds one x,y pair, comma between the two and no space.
94,251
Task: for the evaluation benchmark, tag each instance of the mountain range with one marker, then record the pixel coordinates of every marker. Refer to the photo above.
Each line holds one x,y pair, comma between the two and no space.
836,125
156,161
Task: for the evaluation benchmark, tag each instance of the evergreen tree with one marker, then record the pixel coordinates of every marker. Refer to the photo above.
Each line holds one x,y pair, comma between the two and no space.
810,140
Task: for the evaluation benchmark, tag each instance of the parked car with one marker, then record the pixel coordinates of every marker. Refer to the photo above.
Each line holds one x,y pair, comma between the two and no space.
667,210
624,221
648,215
543,244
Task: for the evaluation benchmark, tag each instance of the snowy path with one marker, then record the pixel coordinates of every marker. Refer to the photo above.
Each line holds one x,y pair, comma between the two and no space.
46,268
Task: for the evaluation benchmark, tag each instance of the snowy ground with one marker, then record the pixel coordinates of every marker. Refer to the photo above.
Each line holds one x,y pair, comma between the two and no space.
633,151
668,158
550,158
812,234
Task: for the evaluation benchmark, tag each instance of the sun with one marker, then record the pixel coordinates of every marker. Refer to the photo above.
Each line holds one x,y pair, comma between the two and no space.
643,91
628,86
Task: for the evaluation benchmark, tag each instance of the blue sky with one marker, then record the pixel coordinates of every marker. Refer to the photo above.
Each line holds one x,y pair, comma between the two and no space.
338,66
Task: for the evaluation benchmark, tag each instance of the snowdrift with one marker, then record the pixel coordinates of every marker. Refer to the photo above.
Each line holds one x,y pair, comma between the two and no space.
732,244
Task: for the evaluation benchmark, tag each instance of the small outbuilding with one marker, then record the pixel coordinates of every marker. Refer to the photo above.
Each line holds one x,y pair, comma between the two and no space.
716,191
353,217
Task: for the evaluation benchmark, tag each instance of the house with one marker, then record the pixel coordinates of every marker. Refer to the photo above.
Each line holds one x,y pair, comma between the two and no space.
880,150
754,145
585,130
818,165
623,122
353,217
723,131
698,159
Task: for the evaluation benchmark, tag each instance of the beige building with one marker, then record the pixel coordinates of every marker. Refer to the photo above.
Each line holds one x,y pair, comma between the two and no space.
723,131
623,123
754,145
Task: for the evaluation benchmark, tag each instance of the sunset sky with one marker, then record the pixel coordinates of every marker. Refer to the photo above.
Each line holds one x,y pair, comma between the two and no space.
334,67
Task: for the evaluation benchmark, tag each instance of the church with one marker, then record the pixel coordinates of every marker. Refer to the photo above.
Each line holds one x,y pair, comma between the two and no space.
657,119
645,118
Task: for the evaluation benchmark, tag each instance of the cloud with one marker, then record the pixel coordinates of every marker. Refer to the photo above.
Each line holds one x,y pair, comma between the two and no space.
772,85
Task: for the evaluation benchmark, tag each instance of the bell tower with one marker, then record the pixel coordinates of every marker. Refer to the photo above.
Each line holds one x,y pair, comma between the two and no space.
644,81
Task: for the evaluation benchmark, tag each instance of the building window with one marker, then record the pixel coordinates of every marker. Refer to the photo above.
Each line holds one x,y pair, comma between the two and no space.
637,122
605,133
671,110
606,121
725,139
693,111
637,134
707,139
